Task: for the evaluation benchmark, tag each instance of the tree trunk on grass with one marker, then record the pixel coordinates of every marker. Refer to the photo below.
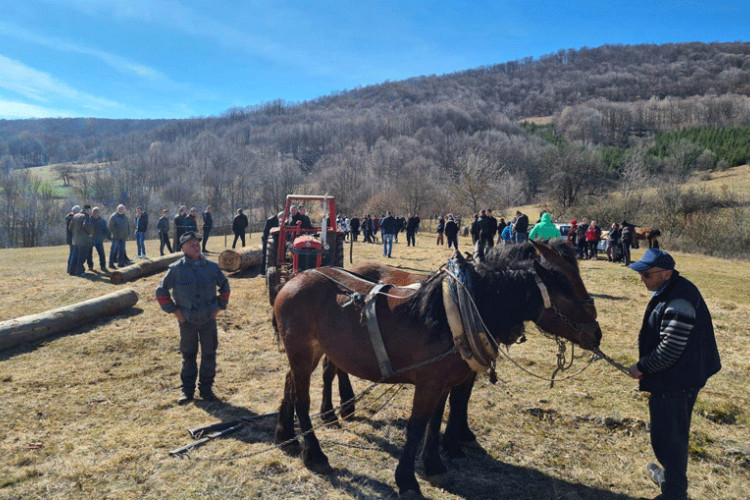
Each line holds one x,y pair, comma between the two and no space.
144,268
38,326
235,260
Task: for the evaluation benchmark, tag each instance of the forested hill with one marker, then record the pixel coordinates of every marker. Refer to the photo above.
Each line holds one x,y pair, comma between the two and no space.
454,142
516,89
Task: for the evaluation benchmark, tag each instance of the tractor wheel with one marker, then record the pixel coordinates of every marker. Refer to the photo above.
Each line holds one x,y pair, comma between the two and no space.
338,259
273,283
271,247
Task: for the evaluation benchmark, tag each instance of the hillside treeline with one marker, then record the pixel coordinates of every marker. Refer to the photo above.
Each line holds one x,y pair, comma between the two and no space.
439,143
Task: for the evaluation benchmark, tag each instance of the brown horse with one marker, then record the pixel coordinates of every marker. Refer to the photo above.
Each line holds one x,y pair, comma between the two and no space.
374,272
647,234
457,428
313,321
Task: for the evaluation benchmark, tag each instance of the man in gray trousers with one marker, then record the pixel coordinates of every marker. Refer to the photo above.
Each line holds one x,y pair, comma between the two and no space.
196,304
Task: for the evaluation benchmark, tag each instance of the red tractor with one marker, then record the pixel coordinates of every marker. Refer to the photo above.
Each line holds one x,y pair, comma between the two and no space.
303,240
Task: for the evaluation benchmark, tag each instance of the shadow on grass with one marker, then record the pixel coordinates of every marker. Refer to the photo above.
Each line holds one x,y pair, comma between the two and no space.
477,475
92,325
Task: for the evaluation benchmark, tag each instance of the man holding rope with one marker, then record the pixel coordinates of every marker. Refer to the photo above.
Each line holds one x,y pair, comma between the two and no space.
677,354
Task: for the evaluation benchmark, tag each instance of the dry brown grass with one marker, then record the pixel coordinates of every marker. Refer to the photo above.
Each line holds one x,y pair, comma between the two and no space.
102,401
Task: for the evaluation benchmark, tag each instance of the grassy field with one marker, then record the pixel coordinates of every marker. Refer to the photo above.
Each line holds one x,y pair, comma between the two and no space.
93,414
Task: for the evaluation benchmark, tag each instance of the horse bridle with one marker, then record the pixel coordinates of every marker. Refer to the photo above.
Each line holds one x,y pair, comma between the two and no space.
583,328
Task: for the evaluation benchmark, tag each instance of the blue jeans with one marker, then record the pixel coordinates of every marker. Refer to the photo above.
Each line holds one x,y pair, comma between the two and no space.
671,413
117,252
387,244
521,237
71,258
140,237
100,250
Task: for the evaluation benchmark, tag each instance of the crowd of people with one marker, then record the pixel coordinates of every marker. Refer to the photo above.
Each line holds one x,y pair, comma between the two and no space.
87,230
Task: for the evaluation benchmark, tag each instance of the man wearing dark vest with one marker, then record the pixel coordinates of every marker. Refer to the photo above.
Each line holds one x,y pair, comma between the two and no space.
271,223
677,354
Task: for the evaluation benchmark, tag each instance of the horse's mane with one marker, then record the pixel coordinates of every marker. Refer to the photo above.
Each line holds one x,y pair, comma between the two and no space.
499,277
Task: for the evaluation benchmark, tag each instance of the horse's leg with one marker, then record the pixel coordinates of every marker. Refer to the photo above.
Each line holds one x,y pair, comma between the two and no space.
426,398
346,393
312,454
433,466
326,406
285,422
457,429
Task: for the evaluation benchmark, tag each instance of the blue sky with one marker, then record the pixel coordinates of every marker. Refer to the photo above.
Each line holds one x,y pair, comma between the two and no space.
186,58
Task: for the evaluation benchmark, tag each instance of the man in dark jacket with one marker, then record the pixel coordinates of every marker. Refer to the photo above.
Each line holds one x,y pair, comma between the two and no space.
411,231
520,227
100,233
388,227
82,229
677,354
141,226
451,232
69,237
239,224
163,227
196,303
354,227
208,224
271,223
179,226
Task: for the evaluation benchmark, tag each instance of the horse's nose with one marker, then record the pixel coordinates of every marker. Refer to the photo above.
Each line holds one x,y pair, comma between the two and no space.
593,337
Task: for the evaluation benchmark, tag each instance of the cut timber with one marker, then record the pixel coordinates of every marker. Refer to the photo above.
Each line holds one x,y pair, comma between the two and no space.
38,326
231,260
144,268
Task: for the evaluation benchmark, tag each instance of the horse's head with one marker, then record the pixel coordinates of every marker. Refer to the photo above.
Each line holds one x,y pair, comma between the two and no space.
568,309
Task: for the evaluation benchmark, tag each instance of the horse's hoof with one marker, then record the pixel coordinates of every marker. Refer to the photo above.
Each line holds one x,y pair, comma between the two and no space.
319,467
347,411
292,449
329,417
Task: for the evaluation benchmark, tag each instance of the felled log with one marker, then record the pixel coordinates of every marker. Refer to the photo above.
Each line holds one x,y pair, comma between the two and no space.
38,326
143,268
231,260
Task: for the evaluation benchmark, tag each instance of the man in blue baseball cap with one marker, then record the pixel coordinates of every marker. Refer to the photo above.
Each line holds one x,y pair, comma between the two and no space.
677,354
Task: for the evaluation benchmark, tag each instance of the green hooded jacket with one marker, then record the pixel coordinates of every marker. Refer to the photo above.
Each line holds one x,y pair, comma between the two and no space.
545,229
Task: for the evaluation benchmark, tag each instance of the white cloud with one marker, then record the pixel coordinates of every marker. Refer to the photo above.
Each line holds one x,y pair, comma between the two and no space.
13,110
115,61
23,80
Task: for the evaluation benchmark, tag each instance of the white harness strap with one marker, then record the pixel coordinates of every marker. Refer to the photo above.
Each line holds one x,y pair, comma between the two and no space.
544,292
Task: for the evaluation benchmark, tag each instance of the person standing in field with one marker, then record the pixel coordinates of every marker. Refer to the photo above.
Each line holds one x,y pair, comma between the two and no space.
82,228
239,224
119,228
593,235
677,354
544,229
100,233
272,222
451,232
179,226
163,227
411,231
208,224
141,226
388,227
69,237
440,231
196,304
520,227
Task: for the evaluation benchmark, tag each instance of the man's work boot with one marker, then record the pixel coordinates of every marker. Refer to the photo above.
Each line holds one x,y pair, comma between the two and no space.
184,399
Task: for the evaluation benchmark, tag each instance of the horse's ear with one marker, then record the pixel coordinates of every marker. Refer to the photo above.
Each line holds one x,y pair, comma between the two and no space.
544,251
460,258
